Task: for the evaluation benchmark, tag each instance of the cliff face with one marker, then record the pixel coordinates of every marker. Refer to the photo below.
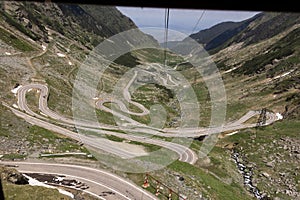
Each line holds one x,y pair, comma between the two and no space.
87,24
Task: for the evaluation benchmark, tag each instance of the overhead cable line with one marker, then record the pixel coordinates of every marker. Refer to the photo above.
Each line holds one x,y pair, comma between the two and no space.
167,16
199,19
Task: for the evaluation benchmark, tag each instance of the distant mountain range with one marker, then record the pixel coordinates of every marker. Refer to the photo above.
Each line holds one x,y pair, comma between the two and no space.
267,45
217,35
257,28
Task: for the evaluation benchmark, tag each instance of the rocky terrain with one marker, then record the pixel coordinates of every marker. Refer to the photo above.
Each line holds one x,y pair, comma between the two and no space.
259,62
16,186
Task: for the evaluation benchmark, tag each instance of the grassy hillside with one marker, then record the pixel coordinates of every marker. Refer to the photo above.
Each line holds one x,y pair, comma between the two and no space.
257,58
217,35
15,186
269,76
273,154
256,29
21,139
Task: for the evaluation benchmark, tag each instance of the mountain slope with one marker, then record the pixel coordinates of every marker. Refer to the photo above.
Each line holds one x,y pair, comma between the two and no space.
220,33
87,24
50,41
258,60
260,27
47,43
272,65
267,26
260,68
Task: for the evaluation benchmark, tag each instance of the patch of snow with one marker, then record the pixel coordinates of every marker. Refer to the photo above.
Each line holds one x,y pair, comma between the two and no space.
279,116
43,114
15,90
15,106
232,133
66,193
96,98
34,182
283,75
1,156
276,77
230,70
110,41
59,178
44,47
61,55
7,53
70,63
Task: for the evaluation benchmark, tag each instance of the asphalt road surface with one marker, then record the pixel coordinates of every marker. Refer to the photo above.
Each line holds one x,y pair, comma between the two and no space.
185,154
99,181
136,126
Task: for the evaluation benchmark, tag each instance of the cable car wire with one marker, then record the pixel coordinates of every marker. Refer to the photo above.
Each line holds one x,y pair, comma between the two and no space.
199,19
167,16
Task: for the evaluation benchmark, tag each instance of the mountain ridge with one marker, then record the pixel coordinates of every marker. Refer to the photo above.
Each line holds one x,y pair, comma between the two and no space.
255,29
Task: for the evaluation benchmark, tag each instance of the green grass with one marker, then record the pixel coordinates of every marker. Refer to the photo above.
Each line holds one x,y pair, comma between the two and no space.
184,66
282,48
13,156
218,189
41,136
268,133
21,192
148,147
142,119
204,102
250,143
152,94
105,117
18,26
235,110
219,163
114,138
32,100
15,42
127,60
286,84
10,125
252,120
157,56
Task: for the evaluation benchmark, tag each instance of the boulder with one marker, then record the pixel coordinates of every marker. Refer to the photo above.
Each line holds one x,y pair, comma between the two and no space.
16,178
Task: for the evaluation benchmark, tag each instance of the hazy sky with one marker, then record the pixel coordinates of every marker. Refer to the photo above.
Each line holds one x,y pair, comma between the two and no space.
182,20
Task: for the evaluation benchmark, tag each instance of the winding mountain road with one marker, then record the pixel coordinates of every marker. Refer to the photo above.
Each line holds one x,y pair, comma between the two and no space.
99,181
185,154
136,126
